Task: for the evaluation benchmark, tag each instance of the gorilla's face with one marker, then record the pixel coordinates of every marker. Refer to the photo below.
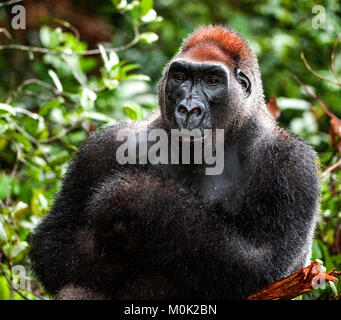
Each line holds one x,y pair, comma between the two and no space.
196,94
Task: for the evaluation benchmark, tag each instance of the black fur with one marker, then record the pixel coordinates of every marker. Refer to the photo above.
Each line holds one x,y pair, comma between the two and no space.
170,231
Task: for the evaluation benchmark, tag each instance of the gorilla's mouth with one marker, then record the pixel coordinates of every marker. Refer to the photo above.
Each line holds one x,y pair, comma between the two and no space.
192,138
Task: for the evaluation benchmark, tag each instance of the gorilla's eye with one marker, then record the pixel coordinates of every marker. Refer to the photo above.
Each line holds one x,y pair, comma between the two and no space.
179,76
212,80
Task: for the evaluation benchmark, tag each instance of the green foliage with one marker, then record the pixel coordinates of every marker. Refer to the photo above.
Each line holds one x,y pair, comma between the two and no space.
45,118
51,102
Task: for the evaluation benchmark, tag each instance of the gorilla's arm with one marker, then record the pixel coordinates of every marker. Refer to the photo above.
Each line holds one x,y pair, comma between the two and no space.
204,249
57,242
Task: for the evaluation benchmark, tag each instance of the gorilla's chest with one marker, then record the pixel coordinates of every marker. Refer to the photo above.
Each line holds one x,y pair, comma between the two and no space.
226,188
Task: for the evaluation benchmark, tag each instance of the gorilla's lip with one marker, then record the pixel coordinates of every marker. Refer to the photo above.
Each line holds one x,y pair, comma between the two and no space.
193,138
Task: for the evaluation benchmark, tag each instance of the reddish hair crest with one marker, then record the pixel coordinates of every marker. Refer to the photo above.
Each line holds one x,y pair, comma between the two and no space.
216,43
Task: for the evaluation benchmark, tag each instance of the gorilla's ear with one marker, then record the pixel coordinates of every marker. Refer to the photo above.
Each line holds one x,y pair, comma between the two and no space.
245,82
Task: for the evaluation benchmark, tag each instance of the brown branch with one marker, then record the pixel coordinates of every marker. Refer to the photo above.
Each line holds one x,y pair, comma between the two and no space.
337,83
330,169
298,283
314,96
11,284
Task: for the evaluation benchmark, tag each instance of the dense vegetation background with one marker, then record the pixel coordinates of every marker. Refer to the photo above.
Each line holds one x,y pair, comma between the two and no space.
52,99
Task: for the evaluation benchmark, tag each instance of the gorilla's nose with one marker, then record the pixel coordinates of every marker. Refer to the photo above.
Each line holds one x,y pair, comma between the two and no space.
189,117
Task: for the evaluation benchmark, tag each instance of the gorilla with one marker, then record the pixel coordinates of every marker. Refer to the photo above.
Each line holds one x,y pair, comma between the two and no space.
170,230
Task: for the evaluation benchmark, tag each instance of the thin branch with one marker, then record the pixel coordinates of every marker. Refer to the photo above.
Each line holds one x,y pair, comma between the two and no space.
72,52
12,286
334,193
32,140
13,173
43,84
22,131
332,60
6,32
36,81
9,3
296,284
62,133
335,166
314,96
68,25
337,83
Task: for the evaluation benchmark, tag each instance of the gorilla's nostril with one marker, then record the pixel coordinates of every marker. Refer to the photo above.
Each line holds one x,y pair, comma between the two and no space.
182,110
197,111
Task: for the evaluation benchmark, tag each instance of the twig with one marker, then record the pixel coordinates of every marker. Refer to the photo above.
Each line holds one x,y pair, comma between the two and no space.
296,284
332,60
35,81
68,25
32,140
12,286
13,172
334,193
314,96
330,169
316,74
43,84
62,133
6,32
22,131
9,3
72,52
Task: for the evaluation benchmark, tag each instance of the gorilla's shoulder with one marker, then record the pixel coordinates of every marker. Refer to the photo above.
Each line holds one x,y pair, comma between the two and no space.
97,156
283,150
294,147
290,156
104,140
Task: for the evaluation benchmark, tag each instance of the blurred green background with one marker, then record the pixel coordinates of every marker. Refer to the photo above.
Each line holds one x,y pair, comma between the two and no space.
51,100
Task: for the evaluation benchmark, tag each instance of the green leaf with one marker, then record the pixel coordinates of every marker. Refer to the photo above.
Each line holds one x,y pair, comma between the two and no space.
19,211
3,128
316,251
133,111
74,64
6,109
88,98
135,12
119,4
5,184
326,257
18,251
50,38
148,37
60,158
149,17
139,77
332,285
39,203
3,235
56,81
111,84
110,60
97,116
45,109
5,292
146,6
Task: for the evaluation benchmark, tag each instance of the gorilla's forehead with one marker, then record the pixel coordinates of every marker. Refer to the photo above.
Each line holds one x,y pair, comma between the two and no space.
198,66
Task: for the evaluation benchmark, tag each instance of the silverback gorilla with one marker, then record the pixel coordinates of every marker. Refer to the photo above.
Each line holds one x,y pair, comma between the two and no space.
164,231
